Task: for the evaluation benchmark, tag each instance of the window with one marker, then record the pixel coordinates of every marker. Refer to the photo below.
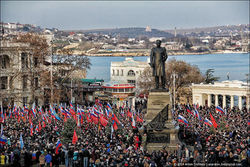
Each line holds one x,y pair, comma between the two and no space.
131,73
113,72
4,82
24,59
131,81
35,61
122,73
36,101
5,61
36,82
121,90
25,100
25,78
117,72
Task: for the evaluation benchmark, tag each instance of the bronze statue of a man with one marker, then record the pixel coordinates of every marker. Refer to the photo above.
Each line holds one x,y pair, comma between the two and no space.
158,57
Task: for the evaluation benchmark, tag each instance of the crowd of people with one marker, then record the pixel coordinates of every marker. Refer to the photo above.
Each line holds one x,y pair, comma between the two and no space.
99,145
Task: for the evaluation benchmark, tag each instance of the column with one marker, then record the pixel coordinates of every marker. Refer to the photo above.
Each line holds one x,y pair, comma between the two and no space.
209,100
224,101
232,102
248,102
240,102
216,100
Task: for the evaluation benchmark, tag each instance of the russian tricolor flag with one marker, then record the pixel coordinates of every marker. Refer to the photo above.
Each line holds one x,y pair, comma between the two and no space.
58,145
189,109
109,107
3,141
197,114
182,119
207,122
218,108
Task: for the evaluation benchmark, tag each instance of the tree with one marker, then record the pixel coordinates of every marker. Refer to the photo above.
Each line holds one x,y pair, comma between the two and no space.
65,66
186,74
146,81
209,76
68,131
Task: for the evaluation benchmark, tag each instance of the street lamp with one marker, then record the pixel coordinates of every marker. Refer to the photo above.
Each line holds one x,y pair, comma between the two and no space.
174,76
51,73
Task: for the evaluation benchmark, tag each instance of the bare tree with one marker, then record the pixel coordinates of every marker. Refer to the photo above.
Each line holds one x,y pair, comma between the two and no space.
64,65
186,74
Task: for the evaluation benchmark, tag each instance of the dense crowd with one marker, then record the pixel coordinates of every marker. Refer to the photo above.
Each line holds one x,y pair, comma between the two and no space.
99,145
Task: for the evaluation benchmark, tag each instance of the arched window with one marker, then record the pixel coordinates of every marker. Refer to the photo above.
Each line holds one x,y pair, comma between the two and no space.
131,73
5,61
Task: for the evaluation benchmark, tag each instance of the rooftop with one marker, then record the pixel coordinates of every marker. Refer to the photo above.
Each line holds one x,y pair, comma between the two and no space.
233,83
128,62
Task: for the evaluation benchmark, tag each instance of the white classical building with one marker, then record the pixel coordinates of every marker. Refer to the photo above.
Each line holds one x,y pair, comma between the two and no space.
127,71
220,93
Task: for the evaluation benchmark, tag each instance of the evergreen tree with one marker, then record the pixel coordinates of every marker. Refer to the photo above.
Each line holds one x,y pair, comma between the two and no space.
68,131
209,76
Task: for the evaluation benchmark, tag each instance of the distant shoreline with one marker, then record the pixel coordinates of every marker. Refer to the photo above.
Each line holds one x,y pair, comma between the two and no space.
169,54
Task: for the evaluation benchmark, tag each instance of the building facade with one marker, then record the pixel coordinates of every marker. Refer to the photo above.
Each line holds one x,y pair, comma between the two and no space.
120,92
224,94
19,77
127,71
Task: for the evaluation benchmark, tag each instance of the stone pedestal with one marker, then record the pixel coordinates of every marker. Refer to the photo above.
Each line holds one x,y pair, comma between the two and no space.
157,101
166,138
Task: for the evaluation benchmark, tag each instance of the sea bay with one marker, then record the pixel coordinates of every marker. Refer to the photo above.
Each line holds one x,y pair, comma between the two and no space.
237,64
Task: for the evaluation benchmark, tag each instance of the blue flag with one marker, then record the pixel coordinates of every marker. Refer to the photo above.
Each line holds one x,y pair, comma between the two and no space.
21,141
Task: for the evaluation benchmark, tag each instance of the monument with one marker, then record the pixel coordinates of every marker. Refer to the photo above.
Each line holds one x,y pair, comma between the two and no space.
160,131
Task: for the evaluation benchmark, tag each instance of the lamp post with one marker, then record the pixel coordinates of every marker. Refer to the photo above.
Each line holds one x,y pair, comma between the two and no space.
51,74
174,76
71,91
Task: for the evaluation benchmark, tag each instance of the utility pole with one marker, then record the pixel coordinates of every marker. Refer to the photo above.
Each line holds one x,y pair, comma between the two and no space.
51,74
71,93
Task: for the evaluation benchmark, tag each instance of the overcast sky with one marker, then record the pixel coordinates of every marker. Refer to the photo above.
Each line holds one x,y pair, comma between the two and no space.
117,14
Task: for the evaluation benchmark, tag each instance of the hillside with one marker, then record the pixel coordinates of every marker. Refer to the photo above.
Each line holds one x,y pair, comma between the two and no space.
130,32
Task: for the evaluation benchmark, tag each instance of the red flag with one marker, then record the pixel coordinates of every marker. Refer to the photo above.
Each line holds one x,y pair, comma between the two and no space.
39,126
138,119
75,138
213,120
116,119
81,120
129,114
115,126
30,119
103,121
136,142
44,125
88,119
94,119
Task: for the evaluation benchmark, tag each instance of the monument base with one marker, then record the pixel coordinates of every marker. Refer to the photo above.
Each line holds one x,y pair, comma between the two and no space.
161,133
157,101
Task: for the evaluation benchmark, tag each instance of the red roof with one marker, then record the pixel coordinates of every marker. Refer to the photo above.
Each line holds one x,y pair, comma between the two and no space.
119,86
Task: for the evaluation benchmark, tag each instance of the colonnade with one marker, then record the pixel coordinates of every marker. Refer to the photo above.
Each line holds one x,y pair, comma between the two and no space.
216,98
